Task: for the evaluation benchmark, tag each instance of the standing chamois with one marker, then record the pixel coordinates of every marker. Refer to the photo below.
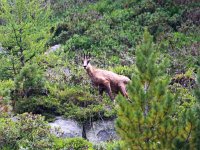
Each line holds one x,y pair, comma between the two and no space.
106,80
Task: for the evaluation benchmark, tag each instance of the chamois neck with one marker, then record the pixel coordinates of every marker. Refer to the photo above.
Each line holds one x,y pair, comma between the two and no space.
90,70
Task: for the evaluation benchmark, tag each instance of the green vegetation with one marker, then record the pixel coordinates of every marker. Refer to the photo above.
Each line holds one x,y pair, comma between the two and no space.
35,79
28,131
73,143
24,33
195,133
150,120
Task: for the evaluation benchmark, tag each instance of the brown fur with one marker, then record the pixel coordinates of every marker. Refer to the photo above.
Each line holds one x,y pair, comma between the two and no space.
106,80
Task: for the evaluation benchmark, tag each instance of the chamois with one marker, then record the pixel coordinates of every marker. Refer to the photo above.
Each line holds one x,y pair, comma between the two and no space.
106,80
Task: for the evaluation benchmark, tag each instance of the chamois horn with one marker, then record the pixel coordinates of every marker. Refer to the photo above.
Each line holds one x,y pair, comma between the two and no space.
83,55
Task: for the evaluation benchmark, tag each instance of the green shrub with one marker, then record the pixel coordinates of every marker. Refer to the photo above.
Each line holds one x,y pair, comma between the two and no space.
78,42
114,145
103,6
124,70
82,114
30,81
27,132
76,95
47,106
72,143
6,87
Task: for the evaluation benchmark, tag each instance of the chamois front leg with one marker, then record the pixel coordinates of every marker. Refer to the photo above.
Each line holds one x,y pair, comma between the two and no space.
108,88
122,89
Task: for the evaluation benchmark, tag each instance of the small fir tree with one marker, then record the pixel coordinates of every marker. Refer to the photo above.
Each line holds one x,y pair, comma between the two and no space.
24,32
148,120
196,132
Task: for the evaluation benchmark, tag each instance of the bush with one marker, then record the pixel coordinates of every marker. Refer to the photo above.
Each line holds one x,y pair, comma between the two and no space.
124,70
77,42
72,144
114,145
26,131
30,81
6,87
46,106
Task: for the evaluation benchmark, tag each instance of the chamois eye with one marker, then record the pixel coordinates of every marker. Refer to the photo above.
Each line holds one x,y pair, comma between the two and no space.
88,61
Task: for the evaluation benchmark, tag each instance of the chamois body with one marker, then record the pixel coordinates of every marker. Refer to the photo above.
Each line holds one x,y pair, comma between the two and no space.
106,80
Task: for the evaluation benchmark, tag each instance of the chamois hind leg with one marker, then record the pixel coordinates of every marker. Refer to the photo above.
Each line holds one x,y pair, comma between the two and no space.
101,89
108,89
122,89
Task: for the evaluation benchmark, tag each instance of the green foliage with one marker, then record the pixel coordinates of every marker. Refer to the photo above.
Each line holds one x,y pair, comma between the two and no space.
27,132
83,114
9,133
78,42
24,32
114,27
6,86
56,83
78,104
47,106
124,70
149,120
195,133
181,86
73,143
197,92
30,78
183,49
184,97
76,95
81,105
114,145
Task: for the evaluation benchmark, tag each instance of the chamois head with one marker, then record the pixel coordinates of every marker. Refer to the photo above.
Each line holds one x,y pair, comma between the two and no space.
86,60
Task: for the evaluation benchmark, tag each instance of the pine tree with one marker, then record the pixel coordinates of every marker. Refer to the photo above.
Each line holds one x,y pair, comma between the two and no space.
24,32
196,132
149,119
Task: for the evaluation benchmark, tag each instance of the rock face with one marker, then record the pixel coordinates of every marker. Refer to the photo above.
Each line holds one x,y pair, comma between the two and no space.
66,128
53,48
99,131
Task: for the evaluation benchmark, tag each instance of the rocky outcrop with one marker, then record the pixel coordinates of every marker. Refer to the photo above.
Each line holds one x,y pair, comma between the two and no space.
66,128
96,132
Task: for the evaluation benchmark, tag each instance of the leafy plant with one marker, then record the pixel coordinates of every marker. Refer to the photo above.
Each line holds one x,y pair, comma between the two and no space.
73,143
28,131
29,81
